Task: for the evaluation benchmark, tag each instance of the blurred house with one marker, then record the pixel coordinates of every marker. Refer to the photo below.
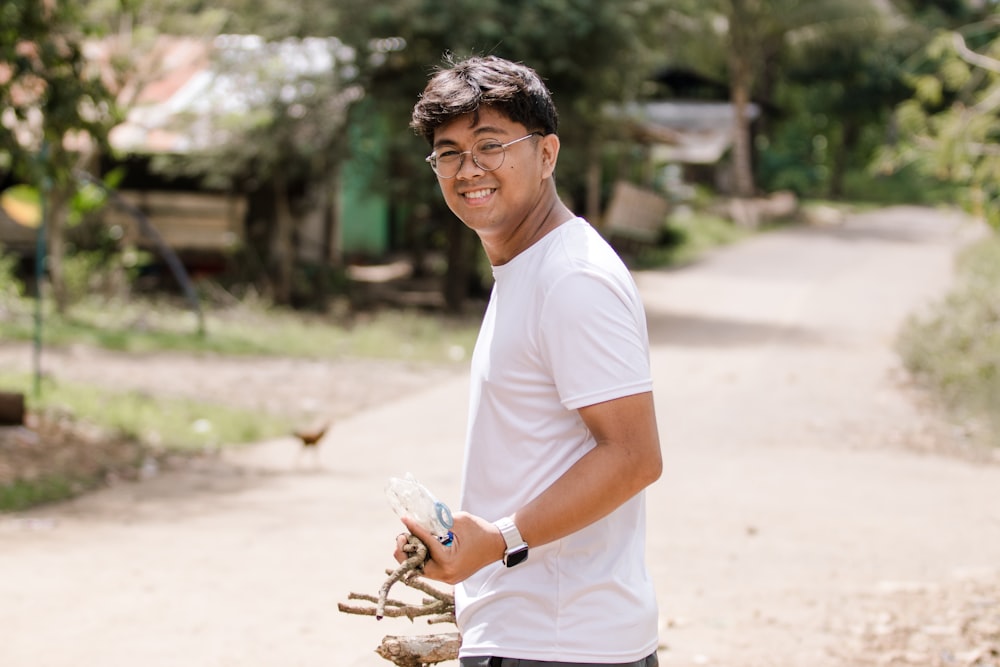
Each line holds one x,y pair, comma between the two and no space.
683,142
685,132
184,97
688,124
693,134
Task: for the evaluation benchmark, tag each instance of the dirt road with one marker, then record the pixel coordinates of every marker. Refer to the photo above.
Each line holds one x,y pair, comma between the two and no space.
808,496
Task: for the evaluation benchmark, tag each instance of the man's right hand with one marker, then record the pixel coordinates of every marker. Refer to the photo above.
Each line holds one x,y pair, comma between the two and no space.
476,544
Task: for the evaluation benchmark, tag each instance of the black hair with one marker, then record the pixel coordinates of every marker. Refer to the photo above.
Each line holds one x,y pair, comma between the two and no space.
466,86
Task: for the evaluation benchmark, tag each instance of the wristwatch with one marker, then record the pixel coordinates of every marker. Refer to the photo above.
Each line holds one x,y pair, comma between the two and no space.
517,549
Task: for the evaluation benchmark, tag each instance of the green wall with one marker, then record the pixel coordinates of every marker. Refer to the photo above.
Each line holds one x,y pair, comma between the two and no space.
364,211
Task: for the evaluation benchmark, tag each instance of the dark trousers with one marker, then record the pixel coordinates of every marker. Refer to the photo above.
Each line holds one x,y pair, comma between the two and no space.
650,661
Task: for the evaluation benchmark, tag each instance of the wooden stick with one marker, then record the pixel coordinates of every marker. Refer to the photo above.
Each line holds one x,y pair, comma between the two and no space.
420,651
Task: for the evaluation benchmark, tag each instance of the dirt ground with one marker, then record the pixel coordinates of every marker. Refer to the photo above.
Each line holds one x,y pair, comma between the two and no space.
814,509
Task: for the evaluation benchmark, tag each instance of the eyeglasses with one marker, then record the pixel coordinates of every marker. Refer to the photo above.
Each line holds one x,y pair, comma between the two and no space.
487,154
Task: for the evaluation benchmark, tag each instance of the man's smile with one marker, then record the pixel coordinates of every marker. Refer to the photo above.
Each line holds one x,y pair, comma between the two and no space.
478,195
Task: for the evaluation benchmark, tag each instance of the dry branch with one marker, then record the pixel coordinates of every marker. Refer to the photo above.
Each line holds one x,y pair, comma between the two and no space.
413,564
439,607
420,651
972,57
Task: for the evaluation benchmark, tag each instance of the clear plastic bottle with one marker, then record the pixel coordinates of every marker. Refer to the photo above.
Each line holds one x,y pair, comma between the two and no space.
410,498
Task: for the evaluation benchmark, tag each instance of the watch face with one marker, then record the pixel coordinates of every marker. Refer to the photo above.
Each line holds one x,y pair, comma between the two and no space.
516,556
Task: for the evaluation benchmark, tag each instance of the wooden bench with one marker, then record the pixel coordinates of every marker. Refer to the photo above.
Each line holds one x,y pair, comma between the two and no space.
185,220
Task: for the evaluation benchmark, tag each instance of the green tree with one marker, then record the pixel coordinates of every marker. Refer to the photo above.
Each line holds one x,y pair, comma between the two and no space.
590,52
950,128
56,110
275,122
278,121
837,89
750,42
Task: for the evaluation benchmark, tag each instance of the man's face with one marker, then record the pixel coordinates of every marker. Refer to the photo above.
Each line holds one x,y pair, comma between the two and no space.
498,201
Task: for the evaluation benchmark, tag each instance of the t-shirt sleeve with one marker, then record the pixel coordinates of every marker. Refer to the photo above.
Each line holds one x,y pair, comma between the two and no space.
593,336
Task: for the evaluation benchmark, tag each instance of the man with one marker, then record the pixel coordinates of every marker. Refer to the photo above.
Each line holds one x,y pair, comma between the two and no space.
548,549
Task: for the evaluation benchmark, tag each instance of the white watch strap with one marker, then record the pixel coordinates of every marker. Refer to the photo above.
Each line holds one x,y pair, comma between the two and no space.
511,535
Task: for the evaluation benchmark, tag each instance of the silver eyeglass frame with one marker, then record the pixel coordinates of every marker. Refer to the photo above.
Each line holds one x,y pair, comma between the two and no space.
432,159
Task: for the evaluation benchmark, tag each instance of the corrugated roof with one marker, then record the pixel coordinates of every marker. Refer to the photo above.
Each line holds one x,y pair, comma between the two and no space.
183,86
691,132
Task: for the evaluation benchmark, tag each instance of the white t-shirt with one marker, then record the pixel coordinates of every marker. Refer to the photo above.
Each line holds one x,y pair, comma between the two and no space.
564,329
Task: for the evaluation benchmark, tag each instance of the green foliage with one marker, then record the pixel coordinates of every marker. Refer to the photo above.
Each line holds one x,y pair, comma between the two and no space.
805,63
955,349
839,84
904,186
52,93
830,71
81,272
57,108
22,494
142,20
88,198
796,159
10,286
950,127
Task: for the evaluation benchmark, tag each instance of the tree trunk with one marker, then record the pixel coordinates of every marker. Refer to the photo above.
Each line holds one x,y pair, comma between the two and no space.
456,279
331,255
415,238
334,235
55,231
283,251
739,60
743,181
841,152
593,207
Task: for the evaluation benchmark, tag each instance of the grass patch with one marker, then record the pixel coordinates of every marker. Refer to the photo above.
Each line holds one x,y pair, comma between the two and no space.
955,348
70,457
689,234
23,494
176,424
245,329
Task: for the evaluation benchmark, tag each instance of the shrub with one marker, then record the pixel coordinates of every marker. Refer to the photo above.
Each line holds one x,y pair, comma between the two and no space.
955,349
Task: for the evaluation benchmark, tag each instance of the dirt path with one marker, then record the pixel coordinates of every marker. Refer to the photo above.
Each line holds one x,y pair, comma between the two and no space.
811,512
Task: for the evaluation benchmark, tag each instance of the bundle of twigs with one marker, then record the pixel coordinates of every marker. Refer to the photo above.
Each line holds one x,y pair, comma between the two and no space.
439,608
